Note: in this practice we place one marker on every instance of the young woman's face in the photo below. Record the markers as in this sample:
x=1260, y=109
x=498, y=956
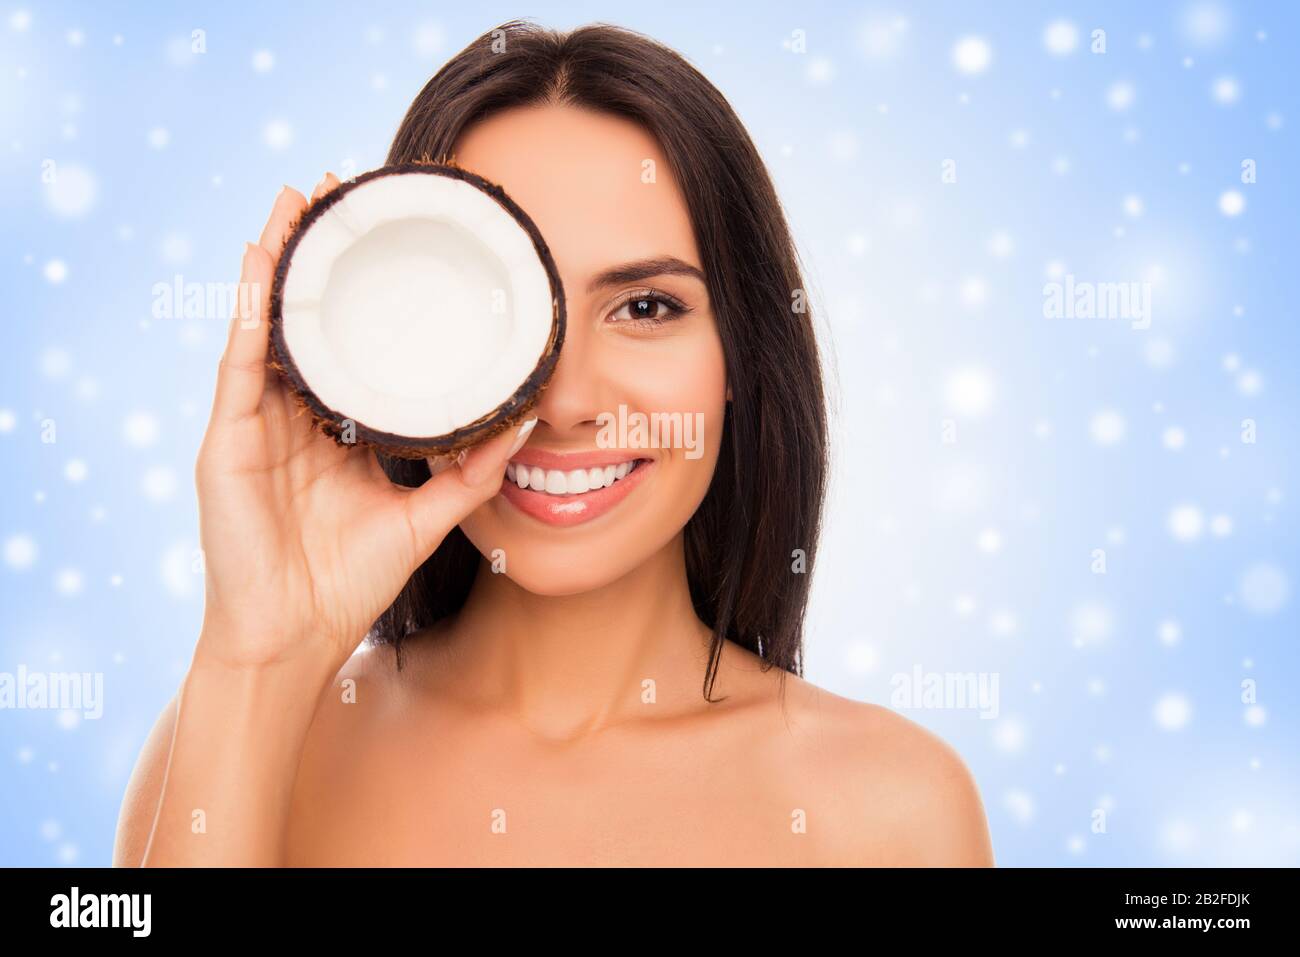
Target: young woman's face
x=629, y=428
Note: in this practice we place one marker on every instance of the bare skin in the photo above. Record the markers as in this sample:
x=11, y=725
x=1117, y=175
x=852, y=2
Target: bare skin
x=558, y=719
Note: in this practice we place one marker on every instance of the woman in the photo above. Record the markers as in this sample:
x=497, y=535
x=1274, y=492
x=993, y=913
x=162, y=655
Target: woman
x=605, y=678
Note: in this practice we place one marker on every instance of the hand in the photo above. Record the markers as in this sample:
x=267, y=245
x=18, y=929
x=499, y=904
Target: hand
x=305, y=541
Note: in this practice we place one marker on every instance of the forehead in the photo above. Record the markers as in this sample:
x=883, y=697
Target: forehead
x=581, y=175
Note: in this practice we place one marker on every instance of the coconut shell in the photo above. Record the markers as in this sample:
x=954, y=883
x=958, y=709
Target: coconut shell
x=509, y=413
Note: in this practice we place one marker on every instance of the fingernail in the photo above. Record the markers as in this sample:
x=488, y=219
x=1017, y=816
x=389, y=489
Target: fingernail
x=525, y=430
x=323, y=185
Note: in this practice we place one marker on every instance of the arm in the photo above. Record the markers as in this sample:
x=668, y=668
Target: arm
x=305, y=543
x=229, y=765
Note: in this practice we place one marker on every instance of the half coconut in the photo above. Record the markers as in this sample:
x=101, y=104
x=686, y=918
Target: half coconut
x=416, y=309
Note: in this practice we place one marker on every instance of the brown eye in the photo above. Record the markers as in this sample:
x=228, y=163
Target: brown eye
x=648, y=307
x=644, y=308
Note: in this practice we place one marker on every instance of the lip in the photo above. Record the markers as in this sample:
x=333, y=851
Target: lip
x=562, y=511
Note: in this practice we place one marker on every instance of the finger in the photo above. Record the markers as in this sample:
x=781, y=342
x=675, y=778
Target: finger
x=289, y=205
x=329, y=182
x=241, y=376
x=441, y=503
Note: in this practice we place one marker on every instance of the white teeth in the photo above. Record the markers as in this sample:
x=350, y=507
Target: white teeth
x=555, y=482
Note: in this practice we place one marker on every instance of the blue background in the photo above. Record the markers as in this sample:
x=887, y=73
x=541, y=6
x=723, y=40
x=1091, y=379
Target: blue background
x=1118, y=692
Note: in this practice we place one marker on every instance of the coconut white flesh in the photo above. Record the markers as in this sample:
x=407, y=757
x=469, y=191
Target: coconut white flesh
x=416, y=305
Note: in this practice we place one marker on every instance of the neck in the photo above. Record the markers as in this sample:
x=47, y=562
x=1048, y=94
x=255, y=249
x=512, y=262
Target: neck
x=567, y=666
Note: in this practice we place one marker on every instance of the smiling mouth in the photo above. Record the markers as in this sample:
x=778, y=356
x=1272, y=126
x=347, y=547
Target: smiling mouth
x=572, y=482
x=563, y=497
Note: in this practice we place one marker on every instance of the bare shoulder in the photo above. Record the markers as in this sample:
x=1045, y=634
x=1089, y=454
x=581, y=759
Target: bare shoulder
x=906, y=797
x=888, y=791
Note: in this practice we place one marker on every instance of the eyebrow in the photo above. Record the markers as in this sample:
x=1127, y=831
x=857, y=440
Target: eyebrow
x=644, y=269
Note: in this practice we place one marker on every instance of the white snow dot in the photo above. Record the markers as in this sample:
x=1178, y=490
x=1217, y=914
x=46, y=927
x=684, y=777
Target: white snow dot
x=1231, y=203
x=1169, y=632
x=972, y=55
x=68, y=581
x=175, y=249
x=159, y=137
x=989, y=541
x=69, y=719
x=1120, y=96
x=1133, y=206
x=140, y=429
x=55, y=271
x=860, y=657
x=1250, y=382
x=1255, y=716
x=177, y=570
x=7, y=420
x=1061, y=37
x=1206, y=23
x=1186, y=522
x=1226, y=90
x=1221, y=526
x=970, y=392
x=75, y=471
x=1159, y=352
x=1107, y=427
x=1263, y=588
x=974, y=291
x=159, y=483
x=277, y=134
x=1172, y=711
x=1002, y=624
x=1174, y=438
x=1000, y=245
x=1091, y=624
x=20, y=20
x=20, y=551
x=881, y=36
x=263, y=61
x=1009, y=735
x=55, y=363
x=427, y=39
x=1020, y=805
x=71, y=193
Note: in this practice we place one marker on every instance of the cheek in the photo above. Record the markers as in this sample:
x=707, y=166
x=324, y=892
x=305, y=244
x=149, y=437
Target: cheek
x=687, y=377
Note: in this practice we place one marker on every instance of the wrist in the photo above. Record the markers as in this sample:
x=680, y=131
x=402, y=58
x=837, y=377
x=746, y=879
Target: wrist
x=302, y=667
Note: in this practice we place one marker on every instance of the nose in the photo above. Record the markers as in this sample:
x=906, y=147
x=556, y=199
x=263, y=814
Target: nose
x=577, y=392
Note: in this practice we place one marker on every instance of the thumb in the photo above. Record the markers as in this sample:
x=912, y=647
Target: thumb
x=459, y=487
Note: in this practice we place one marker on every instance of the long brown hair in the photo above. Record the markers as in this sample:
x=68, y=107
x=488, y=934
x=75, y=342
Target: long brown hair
x=749, y=547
